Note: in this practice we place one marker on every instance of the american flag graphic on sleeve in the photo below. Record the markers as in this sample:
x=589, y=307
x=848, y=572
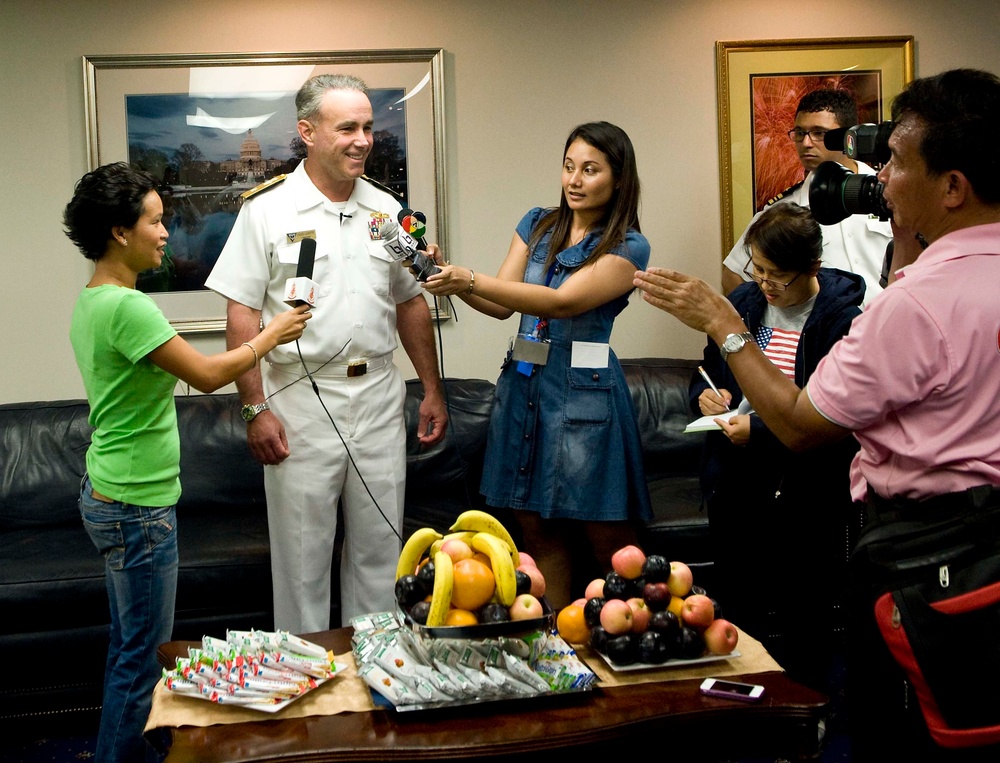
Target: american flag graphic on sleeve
x=779, y=345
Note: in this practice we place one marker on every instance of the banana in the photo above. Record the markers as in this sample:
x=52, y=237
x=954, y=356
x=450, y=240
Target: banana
x=480, y=521
x=441, y=596
x=465, y=535
x=414, y=549
x=503, y=565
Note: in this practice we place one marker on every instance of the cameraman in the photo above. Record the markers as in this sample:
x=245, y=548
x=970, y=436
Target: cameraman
x=916, y=380
x=856, y=244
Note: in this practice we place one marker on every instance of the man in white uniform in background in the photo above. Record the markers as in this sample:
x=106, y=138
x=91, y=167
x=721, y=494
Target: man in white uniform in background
x=856, y=244
x=363, y=298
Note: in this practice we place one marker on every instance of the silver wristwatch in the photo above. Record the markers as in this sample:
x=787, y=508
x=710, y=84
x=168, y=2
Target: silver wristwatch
x=734, y=343
x=249, y=412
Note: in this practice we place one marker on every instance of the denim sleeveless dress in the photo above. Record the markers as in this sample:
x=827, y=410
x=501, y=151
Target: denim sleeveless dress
x=564, y=441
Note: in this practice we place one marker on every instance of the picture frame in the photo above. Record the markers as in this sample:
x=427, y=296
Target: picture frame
x=223, y=79
x=879, y=67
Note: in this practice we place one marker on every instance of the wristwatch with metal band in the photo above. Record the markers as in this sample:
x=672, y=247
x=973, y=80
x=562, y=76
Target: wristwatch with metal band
x=249, y=412
x=734, y=343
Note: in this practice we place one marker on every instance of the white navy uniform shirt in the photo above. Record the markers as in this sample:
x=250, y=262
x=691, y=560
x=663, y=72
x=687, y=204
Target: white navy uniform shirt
x=359, y=283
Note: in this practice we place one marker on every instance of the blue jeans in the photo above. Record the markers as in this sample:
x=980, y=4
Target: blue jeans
x=139, y=545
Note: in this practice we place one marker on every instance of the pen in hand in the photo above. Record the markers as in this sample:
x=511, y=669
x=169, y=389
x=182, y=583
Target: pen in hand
x=708, y=380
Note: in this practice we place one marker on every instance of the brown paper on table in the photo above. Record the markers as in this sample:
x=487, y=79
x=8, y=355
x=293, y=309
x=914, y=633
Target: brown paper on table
x=753, y=659
x=344, y=693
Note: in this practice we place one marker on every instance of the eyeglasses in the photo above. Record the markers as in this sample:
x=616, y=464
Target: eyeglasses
x=777, y=285
x=816, y=136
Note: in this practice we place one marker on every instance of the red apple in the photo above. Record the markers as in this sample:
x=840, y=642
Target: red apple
x=595, y=589
x=526, y=607
x=721, y=637
x=616, y=617
x=698, y=611
x=579, y=602
x=457, y=549
x=681, y=579
x=537, y=579
x=525, y=559
x=657, y=596
x=628, y=561
x=640, y=614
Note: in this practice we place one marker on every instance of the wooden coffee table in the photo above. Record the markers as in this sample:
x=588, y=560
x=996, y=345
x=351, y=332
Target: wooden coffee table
x=671, y=717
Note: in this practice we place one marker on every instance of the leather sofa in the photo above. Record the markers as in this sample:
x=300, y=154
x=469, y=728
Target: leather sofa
x=52, y=595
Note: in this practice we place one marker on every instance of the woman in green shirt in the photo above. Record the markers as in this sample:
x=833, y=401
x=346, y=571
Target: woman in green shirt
x=130, y=359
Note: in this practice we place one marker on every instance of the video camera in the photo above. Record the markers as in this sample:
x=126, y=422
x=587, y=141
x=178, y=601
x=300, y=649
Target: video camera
x=837, y=193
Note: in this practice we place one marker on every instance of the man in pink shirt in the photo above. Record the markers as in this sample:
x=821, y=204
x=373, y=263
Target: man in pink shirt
x=917, y=380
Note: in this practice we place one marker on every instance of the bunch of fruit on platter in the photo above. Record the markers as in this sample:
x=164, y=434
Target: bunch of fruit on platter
x=263, y=670
x=647, y=610
x=473, y=574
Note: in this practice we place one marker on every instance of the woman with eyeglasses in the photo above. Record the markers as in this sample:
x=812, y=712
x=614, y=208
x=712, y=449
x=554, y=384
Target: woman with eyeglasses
x=778, y=519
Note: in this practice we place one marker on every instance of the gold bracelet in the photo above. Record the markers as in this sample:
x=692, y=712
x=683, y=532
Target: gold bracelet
x=472, y=280
x=256, y=357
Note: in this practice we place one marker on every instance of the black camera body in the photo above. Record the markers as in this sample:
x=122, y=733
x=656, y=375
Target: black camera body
x=836, y=193
x=866, y=143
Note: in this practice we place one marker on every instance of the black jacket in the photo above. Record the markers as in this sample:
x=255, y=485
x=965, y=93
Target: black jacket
x=837, y=304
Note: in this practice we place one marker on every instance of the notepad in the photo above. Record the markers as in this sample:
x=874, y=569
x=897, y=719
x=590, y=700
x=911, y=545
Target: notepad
x=707, y=423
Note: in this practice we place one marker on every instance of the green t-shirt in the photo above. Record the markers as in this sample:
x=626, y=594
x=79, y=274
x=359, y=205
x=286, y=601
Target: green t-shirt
x=134, y=456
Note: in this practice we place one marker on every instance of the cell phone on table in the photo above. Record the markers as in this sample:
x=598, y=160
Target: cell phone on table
x=716, y=687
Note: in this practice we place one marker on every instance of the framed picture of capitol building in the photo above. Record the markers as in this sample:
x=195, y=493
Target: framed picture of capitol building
x=211, y=127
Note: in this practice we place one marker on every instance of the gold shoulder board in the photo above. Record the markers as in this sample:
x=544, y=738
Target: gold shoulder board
x=265, y=186
x=381, y=187
x=783, y=194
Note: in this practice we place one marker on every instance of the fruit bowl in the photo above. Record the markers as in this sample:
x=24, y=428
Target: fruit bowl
x=484, y=630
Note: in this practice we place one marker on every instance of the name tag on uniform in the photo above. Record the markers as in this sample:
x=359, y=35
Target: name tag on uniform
x=530, y=351
x=299, y=235
x=590, y=355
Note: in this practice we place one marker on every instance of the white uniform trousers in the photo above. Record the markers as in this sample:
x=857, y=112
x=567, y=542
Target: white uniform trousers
x=303, y=491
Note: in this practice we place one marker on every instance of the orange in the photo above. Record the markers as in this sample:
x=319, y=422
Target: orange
x=572, y=626
x=481, y=557
x=472, y=584
x=460, y=617
x=675, y=605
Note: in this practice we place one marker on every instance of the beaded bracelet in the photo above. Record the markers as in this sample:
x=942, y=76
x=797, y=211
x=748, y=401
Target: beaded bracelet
x=256, y=357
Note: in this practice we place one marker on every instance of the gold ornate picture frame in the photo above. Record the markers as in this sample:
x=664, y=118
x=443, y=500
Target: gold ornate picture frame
x=881, y=67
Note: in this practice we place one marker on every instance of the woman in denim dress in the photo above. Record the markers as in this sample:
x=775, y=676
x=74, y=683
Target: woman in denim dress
x=130, y=358
x=563, y=447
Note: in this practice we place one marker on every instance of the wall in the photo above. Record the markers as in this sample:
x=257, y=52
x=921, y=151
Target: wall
x=519, y=76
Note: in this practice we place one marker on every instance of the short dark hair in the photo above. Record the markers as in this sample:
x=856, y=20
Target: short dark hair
x=622, y=212
x=839, y=102
x=110, y=196
x=960, y=111
x=788, y=235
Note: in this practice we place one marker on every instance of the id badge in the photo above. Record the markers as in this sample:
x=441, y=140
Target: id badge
x=532, y=351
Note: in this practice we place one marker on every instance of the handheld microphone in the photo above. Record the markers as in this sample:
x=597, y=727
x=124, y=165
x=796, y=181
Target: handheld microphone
x=414, y=223
x=301, y=290
x=402, y=246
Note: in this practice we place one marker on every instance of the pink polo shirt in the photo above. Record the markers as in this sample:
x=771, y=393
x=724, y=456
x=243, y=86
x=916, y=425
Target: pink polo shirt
x=918, y=378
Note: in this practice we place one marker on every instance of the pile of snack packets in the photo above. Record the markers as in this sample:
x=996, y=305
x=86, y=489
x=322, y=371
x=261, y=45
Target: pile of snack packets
x=409, y=669
x=258, y=669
